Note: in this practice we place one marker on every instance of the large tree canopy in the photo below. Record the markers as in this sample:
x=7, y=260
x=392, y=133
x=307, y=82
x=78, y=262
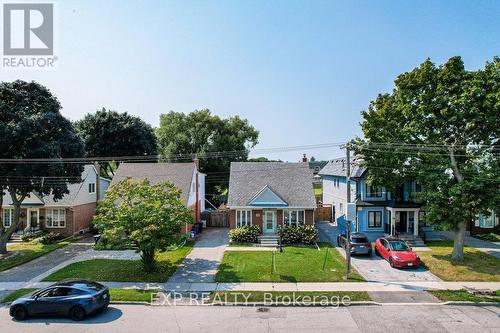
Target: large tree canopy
x=31, y=126
x=113, y=134
x=215, y=141
x=441, y=127
x=151, y=215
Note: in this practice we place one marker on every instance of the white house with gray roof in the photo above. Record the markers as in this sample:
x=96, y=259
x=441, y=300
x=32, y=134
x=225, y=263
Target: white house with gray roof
x=269, y=194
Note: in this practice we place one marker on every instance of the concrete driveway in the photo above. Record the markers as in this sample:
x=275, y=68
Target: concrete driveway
x=201, y=264
x=375, y=268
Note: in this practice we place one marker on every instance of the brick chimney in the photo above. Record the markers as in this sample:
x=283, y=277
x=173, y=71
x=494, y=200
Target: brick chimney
x=304, y=158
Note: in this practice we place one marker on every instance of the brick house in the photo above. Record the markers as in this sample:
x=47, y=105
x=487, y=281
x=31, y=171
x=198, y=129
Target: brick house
x=270, y=194
x=70, y=215
x=185, y=176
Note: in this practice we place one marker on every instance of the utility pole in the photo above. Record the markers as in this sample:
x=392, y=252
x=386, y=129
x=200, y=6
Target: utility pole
x=348, y=222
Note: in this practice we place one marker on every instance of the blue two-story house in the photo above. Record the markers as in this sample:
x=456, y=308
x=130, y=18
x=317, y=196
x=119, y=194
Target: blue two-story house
x=378, y=210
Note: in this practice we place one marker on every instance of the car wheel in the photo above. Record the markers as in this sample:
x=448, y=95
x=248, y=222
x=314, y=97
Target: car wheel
x=370, y=253
x=376, y=252
x=391, y=262
x=77, y=313
x=20, y=313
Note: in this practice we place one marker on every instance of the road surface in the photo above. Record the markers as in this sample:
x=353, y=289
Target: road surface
x=393, y=318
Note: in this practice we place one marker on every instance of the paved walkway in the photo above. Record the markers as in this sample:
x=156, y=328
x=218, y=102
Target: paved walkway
x=201, y=264
x=484, y=246
x=34, y=268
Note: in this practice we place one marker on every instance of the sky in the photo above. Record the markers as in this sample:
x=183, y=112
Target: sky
x=300, y=71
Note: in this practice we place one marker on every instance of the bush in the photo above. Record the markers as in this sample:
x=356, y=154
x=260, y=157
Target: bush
x=304, y=234
x=49, y=238
x=246, y=234
x=113, y=239
x=28, y=236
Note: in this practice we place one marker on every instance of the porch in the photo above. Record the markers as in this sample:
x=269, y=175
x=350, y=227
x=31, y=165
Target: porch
x=403, y=221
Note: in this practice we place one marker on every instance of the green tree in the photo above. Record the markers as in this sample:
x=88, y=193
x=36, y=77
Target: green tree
x=150, y=215
x=112, y=134
x=215, y=141
x=31, y=126
x=439, y=126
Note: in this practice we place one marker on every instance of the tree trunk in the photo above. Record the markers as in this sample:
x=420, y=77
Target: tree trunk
x=6, y=233
x=458, y=242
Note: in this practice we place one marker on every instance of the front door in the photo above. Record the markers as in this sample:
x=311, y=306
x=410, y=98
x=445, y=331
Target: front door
x=401, y=222
x=33, y=218
x=269, y=221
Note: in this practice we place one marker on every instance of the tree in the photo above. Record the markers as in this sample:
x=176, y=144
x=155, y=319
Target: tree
x=440, y=126
x=262, y=159
x=31, y=126
x=112, y=134
x=215, y=141
x=150, y=215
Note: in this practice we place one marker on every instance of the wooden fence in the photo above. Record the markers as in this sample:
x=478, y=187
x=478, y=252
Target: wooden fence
x=218, y=218
x=323, y=213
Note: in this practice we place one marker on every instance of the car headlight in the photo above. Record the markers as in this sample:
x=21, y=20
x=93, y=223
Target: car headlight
x=397, y=258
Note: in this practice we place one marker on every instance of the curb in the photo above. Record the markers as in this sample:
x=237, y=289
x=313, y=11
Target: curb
x=471, y=303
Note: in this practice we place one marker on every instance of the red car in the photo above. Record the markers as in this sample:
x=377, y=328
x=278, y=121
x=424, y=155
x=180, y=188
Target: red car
x=397, y=252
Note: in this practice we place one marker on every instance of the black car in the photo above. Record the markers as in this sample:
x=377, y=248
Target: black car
x=73, y=298
x=359, y=243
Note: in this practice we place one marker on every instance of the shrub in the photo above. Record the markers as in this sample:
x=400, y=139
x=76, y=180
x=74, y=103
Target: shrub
x=246, y=234
x=304, y=234
x=28, y=236
x=49, y=238
x=113, y=239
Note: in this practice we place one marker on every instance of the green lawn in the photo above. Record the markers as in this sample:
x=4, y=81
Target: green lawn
x=295, y=264
x=277, y=296
x=491, y=237
x=123, y=270
x=27, y=252
x=462, y=295
x=476, y=266
x=16, y=294
x=130, y=295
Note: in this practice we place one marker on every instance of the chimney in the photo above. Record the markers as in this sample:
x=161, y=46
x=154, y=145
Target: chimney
x=304, y=158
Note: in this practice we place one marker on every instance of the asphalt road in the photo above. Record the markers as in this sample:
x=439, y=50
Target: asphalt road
x=393, y=318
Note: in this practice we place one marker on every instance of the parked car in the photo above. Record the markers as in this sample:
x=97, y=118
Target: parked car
x=73, y=298
x=396, y=252
x=359, y=243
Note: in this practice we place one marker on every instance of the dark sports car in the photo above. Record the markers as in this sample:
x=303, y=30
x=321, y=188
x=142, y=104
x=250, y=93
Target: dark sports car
x=73, y=298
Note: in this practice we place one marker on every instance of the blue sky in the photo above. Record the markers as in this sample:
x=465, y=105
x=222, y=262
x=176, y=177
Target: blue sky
x=300, y=71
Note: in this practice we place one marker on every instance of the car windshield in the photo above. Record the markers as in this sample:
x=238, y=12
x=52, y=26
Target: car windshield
x=359, y=240
x=399, y=246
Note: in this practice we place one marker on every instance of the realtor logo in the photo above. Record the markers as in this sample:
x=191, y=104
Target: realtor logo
x=28, y=29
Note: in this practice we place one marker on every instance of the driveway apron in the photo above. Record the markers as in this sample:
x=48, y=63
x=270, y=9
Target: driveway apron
x=200, y=266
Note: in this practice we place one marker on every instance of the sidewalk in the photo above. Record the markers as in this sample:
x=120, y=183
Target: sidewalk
x=387, y=286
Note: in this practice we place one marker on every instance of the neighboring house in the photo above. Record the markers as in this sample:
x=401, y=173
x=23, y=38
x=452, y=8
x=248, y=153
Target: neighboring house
x=270, y=194
x=486, y=224
x=378, y=210
x=70, y=215
x=185, y=176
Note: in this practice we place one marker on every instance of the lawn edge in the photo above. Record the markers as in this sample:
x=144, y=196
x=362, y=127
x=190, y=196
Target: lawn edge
x=38, y=256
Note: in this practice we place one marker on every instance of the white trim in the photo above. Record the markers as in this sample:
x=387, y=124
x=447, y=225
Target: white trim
x=289, y=211
x=11, y=214
x=264, y=221
x=58, y=226
x=264, y=207
x=28, y=216
x=239, y=214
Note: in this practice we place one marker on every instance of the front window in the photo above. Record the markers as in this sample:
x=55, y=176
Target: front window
x=92, y=188
x=56, y=218
x=399, y=246
x=7, y=217
x=243, y=218
x=486, y=221
x=374, y=219
x=373, y=191
x=293, y=217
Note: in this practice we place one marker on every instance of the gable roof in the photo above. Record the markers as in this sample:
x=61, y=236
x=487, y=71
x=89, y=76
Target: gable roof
x=179, y=174
x=267, y=196
x=337, y=167
x=48, y=200
x=289, y=182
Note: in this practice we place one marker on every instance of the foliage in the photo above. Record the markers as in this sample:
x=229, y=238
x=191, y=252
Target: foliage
x=303, y=234
x=441, y=127
x=113, y=239
x=49, y=238
x=109, y=133
x=491, y=237
x=31, y=126
x=463, y=295
x=28, y=236
x=150, y=215
x=245, y=234
x=205, y=135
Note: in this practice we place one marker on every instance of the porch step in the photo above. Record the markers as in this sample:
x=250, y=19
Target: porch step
x=269, y=240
